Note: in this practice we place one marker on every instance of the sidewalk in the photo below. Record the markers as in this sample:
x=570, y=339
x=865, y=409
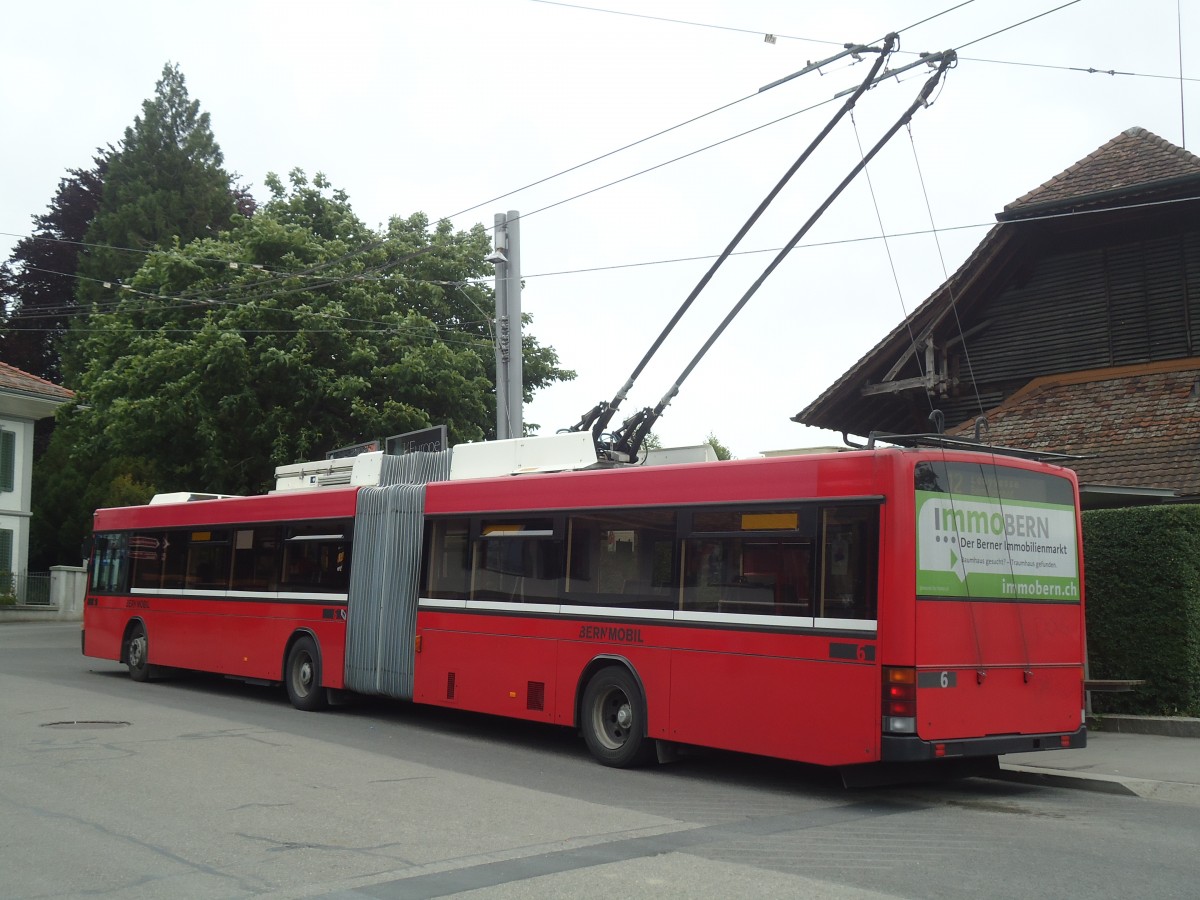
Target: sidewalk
x=1159, y=766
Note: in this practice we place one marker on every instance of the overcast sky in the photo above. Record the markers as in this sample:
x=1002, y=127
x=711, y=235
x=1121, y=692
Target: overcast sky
x=451, y=105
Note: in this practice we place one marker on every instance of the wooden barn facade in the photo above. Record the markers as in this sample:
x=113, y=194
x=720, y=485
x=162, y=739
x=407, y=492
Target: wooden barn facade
x=1073, y=327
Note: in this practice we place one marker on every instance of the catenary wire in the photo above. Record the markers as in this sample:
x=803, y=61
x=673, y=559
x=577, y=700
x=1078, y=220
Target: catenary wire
x=393, y=263
x=617, y=12
x=377, y=244
x=1040, y=15
x=128, y=293
x=703, y=257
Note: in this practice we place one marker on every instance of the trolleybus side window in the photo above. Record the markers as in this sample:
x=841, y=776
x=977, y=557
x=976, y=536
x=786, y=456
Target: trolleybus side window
x=109, y=562
x=849, y=562
x=159, y=559
x=803, y=561
x=448, y=559
x=255, y=559
x=316, y=557
x=749, y=561
x=208, y=560
x=517, y=560
x=622, y=558
x=507, y=559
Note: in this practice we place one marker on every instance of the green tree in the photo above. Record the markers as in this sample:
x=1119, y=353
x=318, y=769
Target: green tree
x=67, y=493
x=165, y=186
x=166, y=182
x=291, y=333
x=37, y=284
x=162, y=187
x=722, y=451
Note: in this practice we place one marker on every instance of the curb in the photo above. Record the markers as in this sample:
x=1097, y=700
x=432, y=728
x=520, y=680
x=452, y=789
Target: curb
x=1102, y=784
x=1167, y=726
x=24, y=613
x=1147, y=789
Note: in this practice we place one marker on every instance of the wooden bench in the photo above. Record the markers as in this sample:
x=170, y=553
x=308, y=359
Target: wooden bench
x=1112, y=685
x=1108, y=685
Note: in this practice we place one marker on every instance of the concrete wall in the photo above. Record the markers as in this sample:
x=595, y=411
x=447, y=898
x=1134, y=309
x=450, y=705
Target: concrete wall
x=68, y=585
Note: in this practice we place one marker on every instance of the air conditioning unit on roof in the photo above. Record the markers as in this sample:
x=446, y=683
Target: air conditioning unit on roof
x=361, y=470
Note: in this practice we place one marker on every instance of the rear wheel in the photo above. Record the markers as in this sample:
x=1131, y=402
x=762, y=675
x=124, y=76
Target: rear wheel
x=303, y=676
x=614, y=719
x=137, y=654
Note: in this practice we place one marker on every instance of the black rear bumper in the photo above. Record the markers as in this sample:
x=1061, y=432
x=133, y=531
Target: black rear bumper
x=910, y=748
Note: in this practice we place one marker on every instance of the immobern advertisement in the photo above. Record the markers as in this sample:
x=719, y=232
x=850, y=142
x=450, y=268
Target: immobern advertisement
x=993, y=548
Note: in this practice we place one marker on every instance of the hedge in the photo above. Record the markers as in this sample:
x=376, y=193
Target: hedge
x=1142, y=570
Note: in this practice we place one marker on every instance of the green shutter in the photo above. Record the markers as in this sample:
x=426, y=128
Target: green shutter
x=8, y=462
x=6, y=541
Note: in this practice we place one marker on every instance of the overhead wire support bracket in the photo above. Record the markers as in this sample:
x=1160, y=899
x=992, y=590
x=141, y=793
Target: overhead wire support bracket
x=952, y=442
x=927, y=59
x=627, y=441
x=855, y=50
x=599, y=416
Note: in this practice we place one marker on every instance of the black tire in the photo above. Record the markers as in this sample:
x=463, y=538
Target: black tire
x=302, y=676
x=137, y=653
x=613, y=718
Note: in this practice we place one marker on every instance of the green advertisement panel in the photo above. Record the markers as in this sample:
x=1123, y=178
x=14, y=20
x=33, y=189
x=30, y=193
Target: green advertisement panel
x=989, y=548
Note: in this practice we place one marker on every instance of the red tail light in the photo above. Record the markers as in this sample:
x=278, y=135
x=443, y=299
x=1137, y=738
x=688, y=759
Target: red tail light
x=899, y=700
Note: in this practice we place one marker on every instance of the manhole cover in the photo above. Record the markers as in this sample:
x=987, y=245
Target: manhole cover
x=85, y=723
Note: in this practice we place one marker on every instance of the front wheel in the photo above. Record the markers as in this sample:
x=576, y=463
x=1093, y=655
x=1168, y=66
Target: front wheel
x=614, y=719
x=137, y=654
x=303, y=676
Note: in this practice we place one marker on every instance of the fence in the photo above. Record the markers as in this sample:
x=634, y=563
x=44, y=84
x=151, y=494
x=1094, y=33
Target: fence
x=28, y=589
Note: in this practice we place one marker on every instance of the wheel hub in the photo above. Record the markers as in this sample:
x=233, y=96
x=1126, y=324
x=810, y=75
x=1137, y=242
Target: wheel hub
x=137, y=651
x=624, y=716
x=306, y=675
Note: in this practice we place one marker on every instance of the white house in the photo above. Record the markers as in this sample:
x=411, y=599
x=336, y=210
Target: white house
x=24, y=399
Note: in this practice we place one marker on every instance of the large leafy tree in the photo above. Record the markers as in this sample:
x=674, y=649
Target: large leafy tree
x=289, y=334
x=37, y=284
x=163, y=186
x=166, y=186
x=163, y=183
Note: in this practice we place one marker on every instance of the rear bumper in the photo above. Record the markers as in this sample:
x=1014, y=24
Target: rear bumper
x=910, y=748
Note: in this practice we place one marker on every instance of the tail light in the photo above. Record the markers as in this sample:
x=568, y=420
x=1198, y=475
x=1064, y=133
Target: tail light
x=899, y=700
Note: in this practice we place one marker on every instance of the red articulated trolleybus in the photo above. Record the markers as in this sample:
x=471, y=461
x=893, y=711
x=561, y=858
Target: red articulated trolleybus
x=874, y=605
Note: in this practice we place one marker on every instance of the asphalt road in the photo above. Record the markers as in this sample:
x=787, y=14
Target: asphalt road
x=198, y=787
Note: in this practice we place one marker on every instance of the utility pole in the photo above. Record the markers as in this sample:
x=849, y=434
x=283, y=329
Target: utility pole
x=512, y=294
x=509, y=371
x=499, y=258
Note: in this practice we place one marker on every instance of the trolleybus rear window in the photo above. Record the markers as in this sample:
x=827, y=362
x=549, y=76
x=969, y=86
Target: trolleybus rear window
x=987, y=531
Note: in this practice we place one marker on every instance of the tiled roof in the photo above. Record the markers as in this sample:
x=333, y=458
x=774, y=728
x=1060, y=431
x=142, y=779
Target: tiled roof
x=14, y=380
x=1139, y=426
x=1134, y=159
x=1134, y=164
